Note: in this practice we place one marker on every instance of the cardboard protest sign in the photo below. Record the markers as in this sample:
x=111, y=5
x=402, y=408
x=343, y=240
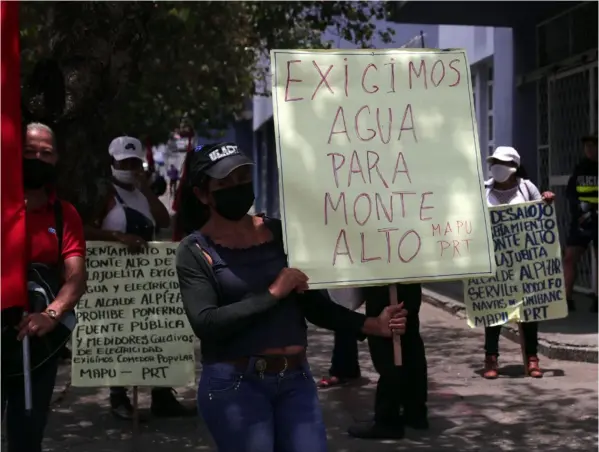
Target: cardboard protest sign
x=529, y=283
x=132, y=329
x=380, y=174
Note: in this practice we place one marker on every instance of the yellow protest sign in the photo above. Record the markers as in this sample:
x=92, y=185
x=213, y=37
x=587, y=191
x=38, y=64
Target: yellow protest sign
x=132, y=329
x=529, y=283
x=380, y=174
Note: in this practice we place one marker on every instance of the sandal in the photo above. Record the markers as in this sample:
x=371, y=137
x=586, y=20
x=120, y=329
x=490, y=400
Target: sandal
x=329, y=382
x=533, y=367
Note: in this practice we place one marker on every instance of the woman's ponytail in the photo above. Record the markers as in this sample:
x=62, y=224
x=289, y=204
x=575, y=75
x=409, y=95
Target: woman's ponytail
x=190, y=213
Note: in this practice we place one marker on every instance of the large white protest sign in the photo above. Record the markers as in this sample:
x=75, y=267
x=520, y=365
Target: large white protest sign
x=529, y=283
x=380, y=174
x=132, y=329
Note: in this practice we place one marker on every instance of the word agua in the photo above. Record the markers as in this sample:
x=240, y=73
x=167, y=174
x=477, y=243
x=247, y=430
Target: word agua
x=134, y=287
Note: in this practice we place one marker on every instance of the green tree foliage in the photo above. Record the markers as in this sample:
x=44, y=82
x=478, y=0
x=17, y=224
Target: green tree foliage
x=136, y=67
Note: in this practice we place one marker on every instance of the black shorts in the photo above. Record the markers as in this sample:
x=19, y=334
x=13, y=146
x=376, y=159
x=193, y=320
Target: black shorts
x=578, y=237
x=173, y=181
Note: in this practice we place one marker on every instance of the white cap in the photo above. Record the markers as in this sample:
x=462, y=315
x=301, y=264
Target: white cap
x=505, y=154
x=122, y=148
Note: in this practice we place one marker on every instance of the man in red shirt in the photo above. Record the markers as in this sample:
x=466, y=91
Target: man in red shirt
x=24, y=430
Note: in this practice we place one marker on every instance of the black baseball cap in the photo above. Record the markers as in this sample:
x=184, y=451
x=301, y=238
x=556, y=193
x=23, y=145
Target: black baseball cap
x=217, y=160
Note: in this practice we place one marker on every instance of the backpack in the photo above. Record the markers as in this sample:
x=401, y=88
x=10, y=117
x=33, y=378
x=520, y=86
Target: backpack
x=43, y=284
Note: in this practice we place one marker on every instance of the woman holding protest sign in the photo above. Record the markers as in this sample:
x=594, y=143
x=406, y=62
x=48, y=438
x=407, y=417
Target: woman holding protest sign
x=256, y=392
x=508, y=185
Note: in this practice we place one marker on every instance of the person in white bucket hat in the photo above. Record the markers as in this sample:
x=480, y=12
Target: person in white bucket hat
x=509, y=185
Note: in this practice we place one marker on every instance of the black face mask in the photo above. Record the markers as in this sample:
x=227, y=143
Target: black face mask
x=37, y=173
x=233, y=203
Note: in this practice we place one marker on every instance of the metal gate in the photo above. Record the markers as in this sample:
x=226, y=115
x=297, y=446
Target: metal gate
x=571, y=114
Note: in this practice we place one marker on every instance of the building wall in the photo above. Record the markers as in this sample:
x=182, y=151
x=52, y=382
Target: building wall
x=490, y=54
x=478, y=41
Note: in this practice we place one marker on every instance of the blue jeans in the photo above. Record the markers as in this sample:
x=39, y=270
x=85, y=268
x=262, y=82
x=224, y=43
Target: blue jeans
x=247, y=413
x=25, y=432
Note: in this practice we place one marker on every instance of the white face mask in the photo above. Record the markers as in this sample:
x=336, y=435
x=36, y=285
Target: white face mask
x=501, y=173
x=123, y=176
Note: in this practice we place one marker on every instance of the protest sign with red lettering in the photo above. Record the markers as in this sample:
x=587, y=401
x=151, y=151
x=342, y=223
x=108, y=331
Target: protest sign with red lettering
x=380, y=172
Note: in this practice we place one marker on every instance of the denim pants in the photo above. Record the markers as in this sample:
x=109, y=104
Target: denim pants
x=246, y=412
x=25, y=432
x=344, y=362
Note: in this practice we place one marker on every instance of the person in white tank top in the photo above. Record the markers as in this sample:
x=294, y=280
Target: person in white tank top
x=509, y=186
x=131, y=215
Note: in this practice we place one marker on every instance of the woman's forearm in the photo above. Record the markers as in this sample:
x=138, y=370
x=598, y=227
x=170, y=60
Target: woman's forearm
x=325, y=313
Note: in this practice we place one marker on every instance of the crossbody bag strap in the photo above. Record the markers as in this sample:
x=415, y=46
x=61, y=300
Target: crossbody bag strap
x=59, y=223
x=198, y=247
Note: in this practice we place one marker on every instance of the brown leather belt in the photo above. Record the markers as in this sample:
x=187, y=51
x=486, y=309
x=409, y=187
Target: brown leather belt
x=268, y=364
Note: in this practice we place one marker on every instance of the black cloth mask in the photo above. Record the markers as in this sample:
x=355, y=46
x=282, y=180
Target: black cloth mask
x=37, y=174
x=232, y=203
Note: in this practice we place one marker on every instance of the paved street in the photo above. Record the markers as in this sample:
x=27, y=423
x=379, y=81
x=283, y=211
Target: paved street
x=555, y=414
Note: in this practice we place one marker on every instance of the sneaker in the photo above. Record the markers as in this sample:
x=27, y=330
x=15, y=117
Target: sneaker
x=121, y=407
x=491, y=371
x=165, y=404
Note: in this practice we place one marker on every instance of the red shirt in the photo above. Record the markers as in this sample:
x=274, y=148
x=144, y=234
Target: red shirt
x=42, y=241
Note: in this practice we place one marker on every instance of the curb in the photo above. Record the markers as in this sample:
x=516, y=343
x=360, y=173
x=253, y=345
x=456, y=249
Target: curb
x=552, y=350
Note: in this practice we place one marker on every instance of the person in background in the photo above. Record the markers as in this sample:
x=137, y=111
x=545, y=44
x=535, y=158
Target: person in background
x=173, y=177
x=401, y=392
x=130, y=215
x=256, y=392
x=25, y=431
x=582, y=196
x=508, y=187
x=345, y=366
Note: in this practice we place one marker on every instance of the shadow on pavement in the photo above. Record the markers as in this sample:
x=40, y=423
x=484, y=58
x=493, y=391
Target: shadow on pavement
x=467, y=412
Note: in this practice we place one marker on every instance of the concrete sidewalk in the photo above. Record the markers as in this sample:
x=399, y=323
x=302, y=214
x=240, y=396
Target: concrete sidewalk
x=468, y=414
x=573, y=338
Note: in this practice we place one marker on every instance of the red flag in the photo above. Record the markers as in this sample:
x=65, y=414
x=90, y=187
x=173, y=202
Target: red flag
x=13, y=232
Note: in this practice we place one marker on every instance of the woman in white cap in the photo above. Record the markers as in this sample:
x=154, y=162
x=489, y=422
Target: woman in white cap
x=131, y=215
x=509, y=185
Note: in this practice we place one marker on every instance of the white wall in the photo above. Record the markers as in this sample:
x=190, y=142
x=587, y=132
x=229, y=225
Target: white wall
x=478, y=41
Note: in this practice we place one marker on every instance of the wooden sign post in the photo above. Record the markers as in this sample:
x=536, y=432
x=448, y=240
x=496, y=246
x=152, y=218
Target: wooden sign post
x=523, y=348
x=398, y=359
